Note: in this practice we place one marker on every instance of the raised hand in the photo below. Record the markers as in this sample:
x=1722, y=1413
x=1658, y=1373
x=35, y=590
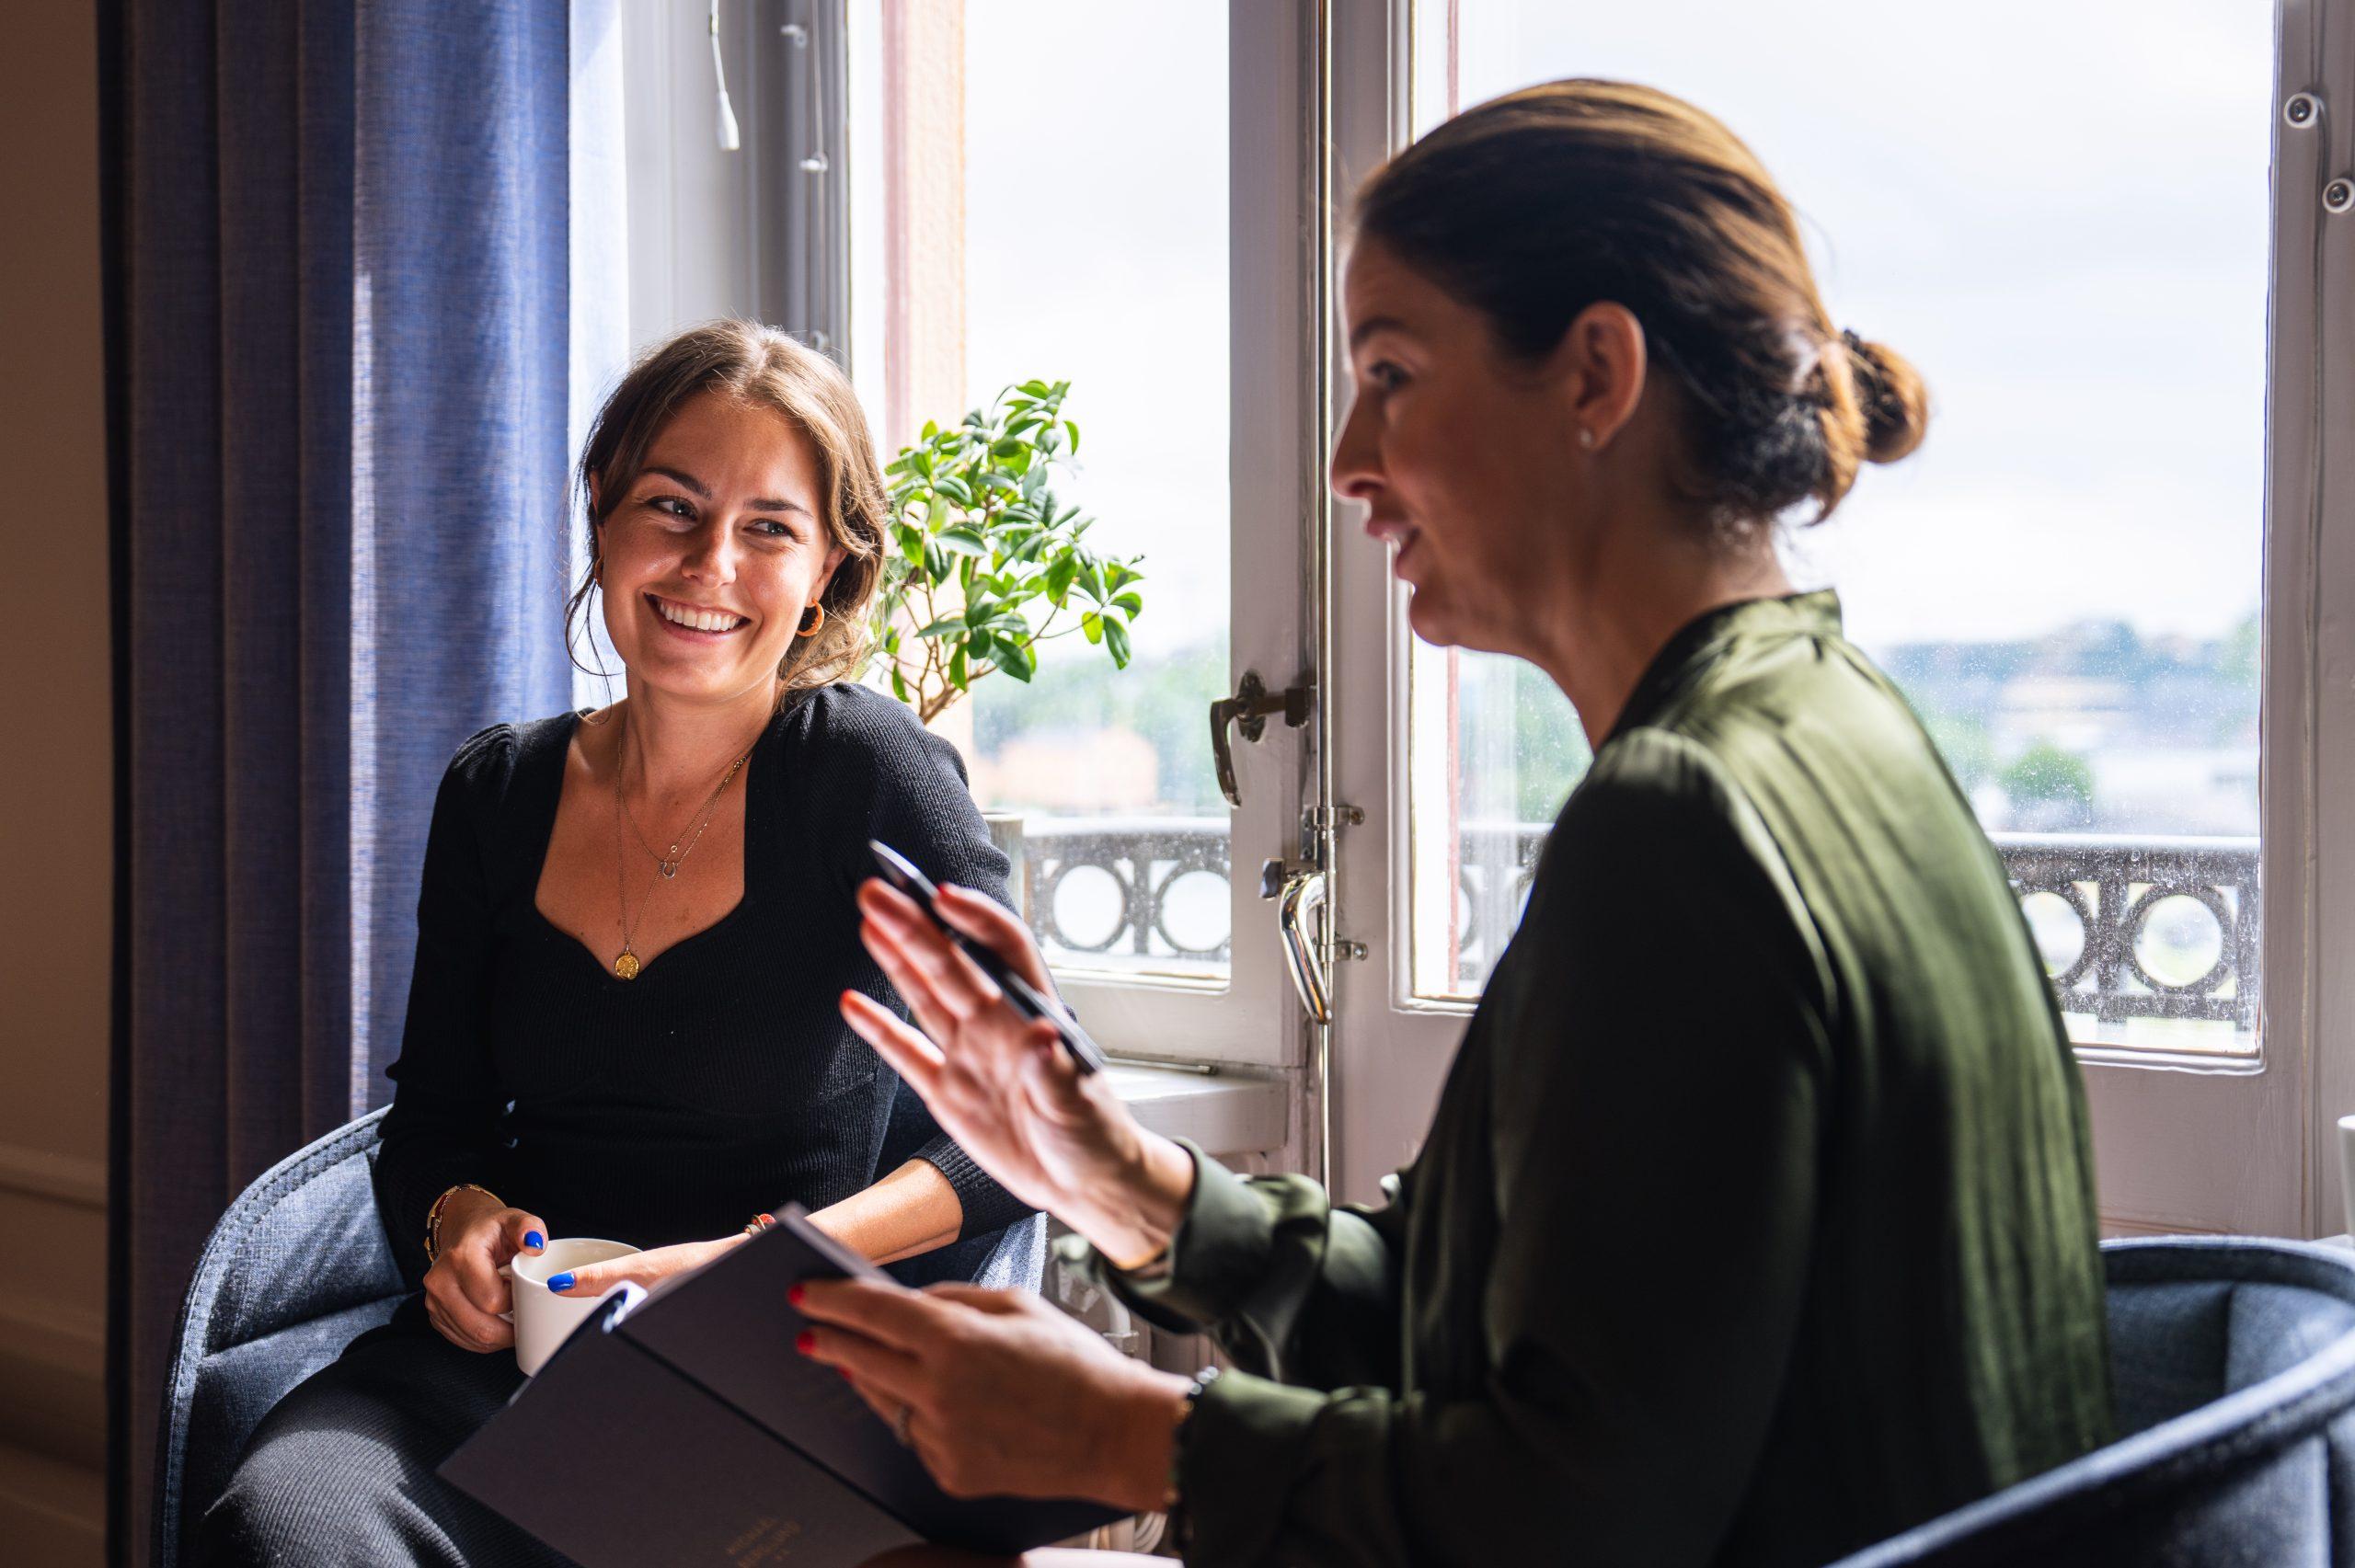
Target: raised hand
x=464, y=1292
x=1001, y=1085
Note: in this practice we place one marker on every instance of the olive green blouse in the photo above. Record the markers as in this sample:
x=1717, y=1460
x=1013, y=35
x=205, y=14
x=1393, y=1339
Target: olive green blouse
x=1756, y=1221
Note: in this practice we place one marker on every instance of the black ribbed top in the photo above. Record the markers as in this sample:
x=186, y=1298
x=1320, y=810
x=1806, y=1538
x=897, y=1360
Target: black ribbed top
x=722, y=1081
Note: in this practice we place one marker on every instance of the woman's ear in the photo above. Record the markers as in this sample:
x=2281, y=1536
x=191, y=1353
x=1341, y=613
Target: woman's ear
x=1601, y=366
x=834, y=558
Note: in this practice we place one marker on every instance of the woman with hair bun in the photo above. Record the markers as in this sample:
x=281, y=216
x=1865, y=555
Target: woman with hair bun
x=1756, y=1219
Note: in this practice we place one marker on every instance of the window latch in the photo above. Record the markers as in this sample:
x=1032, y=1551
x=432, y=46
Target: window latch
x=1298, y=890
x=1248, y=710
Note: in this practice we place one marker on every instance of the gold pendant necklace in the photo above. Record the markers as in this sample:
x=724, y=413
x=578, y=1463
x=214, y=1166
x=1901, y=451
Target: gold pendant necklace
x=626, y=964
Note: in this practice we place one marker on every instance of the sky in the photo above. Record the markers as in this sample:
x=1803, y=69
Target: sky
x=2058, y=211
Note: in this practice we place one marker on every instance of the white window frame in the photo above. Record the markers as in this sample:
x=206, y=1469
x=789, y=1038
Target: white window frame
x=716, y=234
x=2181, y=1142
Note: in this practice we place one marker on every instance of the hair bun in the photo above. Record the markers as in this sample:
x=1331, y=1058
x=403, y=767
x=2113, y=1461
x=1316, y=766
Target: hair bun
x=1890, y=395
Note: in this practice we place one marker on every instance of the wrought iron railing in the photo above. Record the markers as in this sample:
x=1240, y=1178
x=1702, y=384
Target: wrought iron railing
x=1101, y=889
x=2118, y=888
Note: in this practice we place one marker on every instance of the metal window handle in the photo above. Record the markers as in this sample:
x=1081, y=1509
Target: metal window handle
x=1248, y=710
x=1298, y=890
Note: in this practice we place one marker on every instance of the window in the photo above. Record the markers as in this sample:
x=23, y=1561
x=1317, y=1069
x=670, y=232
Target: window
x=2097, y=229
x=2064, y=580
x=1036, y=207
x=1101, y=196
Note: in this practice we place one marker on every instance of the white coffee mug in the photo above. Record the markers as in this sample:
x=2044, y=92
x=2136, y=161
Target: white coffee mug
x=544, y=1320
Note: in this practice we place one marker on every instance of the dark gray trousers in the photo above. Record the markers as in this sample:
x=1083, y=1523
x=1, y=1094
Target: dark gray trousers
x=340, y=1473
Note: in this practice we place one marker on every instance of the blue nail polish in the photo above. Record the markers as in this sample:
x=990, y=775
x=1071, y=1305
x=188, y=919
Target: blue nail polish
x=533, y=1238
x=560, y=1282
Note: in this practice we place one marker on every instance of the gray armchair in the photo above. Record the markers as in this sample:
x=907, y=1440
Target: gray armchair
x=2234, y=1366
x=299, y=1267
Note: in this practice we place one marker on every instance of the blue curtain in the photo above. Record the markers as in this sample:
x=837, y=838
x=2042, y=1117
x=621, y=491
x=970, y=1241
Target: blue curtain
x=338, y=353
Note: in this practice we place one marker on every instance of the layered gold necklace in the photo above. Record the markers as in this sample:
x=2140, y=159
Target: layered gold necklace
x=666, y=865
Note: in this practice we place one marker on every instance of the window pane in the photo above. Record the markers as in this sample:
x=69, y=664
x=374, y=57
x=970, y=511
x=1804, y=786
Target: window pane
x=2064, y=580
x=1091, y=248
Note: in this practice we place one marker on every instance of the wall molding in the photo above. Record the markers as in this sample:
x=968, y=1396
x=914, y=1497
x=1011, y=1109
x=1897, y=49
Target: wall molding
x=74, y=1179
x=52, y=1366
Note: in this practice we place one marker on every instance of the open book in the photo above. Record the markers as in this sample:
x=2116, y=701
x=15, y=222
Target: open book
x=681, y=1426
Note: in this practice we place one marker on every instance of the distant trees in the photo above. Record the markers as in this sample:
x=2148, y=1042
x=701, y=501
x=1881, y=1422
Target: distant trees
x=2046, y=776
x=1962, y=740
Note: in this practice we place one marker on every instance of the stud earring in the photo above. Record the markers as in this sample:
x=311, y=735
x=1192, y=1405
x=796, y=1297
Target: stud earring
x=1586, y=437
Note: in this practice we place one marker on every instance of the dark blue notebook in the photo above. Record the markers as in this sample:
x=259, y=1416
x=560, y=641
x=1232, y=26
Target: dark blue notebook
x=682, y=1427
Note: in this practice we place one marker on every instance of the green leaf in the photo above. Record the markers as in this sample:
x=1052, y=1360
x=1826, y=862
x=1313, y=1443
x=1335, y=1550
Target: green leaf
x=946, y=625
x=1116, y=637
x=1130, y=602
x=900, y=686
x=957, y=668
x=935, y=561
x=1073, y=426
x=963, y=541
x=1092, y=625
x=931, y=430
x=1017, y=659
x=1036, y=389
x=1058, y=577
x=1091, y=578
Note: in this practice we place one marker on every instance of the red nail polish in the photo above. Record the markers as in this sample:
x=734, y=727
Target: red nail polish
x=805, y=1342
x=794, y=1295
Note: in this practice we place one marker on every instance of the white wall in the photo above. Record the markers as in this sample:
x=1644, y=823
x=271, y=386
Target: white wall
x=55, y=793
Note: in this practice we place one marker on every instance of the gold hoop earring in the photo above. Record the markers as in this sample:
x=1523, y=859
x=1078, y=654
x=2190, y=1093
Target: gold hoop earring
x=809, y=627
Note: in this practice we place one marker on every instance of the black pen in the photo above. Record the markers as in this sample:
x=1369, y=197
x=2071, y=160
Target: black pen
x=1028, y=1000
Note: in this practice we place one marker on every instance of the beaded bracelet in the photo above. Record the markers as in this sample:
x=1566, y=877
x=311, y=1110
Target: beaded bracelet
x=760, y=1222
x=433, y=1216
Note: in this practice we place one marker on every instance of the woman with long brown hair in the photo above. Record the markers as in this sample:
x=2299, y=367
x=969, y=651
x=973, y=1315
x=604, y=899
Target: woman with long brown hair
x=1756, y=1219
x=633, y=931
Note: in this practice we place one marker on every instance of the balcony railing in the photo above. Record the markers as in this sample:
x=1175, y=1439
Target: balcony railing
x=2128, y=927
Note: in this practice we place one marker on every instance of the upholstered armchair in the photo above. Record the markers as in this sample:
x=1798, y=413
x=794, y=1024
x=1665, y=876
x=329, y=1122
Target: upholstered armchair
x=2234, y=1362
x=299, y=1267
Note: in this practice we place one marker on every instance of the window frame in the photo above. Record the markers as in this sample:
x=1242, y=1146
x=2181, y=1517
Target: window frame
x=1253, y=1022
x=2182, y=1142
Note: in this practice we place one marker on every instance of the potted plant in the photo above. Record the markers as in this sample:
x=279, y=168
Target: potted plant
x=985, y=563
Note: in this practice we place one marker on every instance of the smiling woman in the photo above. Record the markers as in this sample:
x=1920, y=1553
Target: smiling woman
x=777, y=442
x=635, y=927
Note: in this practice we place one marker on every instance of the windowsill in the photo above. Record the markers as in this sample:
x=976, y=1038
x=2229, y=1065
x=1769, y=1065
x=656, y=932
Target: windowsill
x=1225, y=1114
x=2196, y=1044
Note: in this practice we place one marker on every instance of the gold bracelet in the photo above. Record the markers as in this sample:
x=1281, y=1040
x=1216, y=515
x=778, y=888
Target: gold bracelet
x=433, y=1216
